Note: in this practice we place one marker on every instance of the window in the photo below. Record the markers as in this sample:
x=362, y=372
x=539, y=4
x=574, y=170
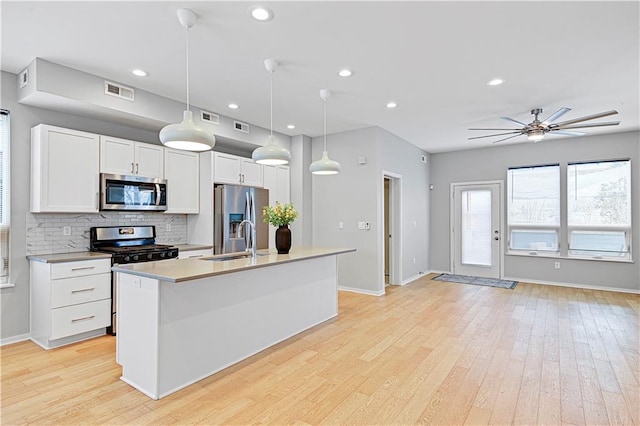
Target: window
x=4, y=197
x=599, y=209
x=533, y=205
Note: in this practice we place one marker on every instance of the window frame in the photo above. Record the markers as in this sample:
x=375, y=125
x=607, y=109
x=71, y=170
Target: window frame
x=627, y=229
x=5, y=220
x=534, y=227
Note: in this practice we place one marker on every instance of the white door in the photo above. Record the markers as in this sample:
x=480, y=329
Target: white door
x=476, y=235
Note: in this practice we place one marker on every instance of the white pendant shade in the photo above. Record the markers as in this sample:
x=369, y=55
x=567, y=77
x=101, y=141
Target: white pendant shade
x=325, y=166
x=187, y=135
x=271, y=153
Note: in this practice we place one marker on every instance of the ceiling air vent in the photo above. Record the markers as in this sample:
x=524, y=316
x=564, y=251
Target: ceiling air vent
x=118, y=91
x=241, y=127
x=209, y=117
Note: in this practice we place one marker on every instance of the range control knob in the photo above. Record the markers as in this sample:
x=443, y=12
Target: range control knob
x=162, y=254
x=135, y=257
x=150, y=256
x=126, y=258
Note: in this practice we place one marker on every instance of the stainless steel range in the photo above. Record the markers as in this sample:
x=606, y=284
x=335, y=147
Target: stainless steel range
x=127, y=244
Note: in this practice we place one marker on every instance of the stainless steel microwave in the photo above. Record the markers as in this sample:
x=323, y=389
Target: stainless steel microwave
x=120, y=192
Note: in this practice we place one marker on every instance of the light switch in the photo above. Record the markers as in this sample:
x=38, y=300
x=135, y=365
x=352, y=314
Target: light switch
x=66, y=230
x=340, y=225
x=361, y=225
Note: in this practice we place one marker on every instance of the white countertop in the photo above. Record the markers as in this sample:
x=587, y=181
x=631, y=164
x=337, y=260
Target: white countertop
x=68, y=257
x=179, y=270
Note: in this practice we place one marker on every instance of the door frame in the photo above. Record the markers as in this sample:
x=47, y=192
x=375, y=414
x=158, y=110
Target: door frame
x=501, y=220
x=395, y=227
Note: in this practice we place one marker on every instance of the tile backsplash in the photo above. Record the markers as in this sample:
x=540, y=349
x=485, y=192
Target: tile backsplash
x=45, y=231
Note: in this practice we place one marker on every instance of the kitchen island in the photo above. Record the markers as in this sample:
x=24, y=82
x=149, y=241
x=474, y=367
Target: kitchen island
x=183, y=320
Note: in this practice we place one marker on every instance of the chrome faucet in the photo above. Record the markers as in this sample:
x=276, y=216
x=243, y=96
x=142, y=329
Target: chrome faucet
x=253, y=237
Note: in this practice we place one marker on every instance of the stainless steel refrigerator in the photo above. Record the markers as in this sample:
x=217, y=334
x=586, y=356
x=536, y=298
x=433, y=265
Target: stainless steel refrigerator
x=231, y=205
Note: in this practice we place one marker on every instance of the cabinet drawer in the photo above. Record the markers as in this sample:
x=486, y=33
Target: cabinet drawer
x=71, y=291
x=77, y=319
x=80, y=268
x=194, y=254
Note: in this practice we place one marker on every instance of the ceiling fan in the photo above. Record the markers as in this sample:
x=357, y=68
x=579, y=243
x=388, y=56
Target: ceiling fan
x=536, y=130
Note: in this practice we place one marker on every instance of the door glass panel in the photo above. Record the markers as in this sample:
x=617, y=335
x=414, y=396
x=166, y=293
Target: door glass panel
x=476, y=227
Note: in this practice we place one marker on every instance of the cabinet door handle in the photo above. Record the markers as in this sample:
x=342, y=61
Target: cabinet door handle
x=82, y=268
x=137, y=164
x=240, y=177
x=131, y=168
x=195, y=255
x=83, y=289
x=83, y=318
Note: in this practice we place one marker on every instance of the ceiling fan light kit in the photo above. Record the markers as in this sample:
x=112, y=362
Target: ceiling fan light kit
x=186, y=135
x=536, y=130
x=325, y=165
x=271, y=153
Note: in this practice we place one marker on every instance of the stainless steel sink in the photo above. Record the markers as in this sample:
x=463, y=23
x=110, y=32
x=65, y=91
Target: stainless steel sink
x=233, y=256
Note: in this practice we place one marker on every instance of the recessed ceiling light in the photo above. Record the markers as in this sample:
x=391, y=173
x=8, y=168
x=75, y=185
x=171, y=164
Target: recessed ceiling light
x=345, y=73
x=291, y=126
x=139, y=72
x=495, y=82
x=261, y=13
x=233, y=106
x=391, y=105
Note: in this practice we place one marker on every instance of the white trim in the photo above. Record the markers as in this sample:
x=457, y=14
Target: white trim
x=413, y=278
x=14, y=339
x=361, y=291
x=501, y=220
x=571, y=285
x=7, y=285
x=395, y=225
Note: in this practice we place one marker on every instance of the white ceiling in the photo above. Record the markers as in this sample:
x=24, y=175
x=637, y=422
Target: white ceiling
x=432, y=58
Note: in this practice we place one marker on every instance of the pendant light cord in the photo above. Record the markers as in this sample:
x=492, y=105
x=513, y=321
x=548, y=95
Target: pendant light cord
x=271, y=100
x=187, y=33
x=325, y=123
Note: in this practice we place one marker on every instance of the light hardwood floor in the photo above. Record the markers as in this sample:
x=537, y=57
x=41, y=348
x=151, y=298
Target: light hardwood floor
x=429, y=352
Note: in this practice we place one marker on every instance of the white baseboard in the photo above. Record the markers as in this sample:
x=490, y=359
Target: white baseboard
x=14, y=339
x=582, y=286
x=415, y=277
x=361, y=291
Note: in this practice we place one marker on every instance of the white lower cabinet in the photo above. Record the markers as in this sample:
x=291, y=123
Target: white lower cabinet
x=70, y=301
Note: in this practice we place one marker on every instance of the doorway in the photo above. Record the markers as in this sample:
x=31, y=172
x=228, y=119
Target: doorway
x=476, y=231
x=390, y=230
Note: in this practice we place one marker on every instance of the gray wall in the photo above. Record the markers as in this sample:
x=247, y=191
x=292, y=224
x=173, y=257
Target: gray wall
x=492, y=164
x=14, y=301
x=356, y=195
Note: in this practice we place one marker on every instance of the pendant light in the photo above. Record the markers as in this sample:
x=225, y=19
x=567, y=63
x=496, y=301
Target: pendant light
x=271, y=153
x=325, y=166
x=187, y=135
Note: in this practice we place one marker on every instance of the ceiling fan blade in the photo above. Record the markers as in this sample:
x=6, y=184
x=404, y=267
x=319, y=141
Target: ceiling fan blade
x=515, y=121
x=500, y=140
x=553, y=117
x=566, y=132
x=490, y=136
x=494, y=129
x=585, y=118
x=582, y=126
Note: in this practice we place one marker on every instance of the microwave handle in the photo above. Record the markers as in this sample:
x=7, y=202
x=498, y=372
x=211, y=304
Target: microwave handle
x=158, y=194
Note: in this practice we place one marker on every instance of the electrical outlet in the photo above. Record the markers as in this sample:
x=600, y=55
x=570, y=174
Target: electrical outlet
x=414, y=260
x=340, y=225
x=556, y=265
x=168, y=227
x=66, y=230
x=367, y=225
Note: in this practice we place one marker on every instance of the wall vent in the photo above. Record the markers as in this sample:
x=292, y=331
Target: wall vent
x=209, y=117
x=113, y=89
x=24, y=77
x=241, y=127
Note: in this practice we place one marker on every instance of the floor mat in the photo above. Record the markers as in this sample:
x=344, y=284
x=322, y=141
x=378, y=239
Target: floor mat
x=464, y=279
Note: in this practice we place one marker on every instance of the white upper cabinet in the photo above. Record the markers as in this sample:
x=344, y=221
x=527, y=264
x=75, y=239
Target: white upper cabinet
x=125, y=157
x=182, y=171
x=65, y=170
x=237, y=170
